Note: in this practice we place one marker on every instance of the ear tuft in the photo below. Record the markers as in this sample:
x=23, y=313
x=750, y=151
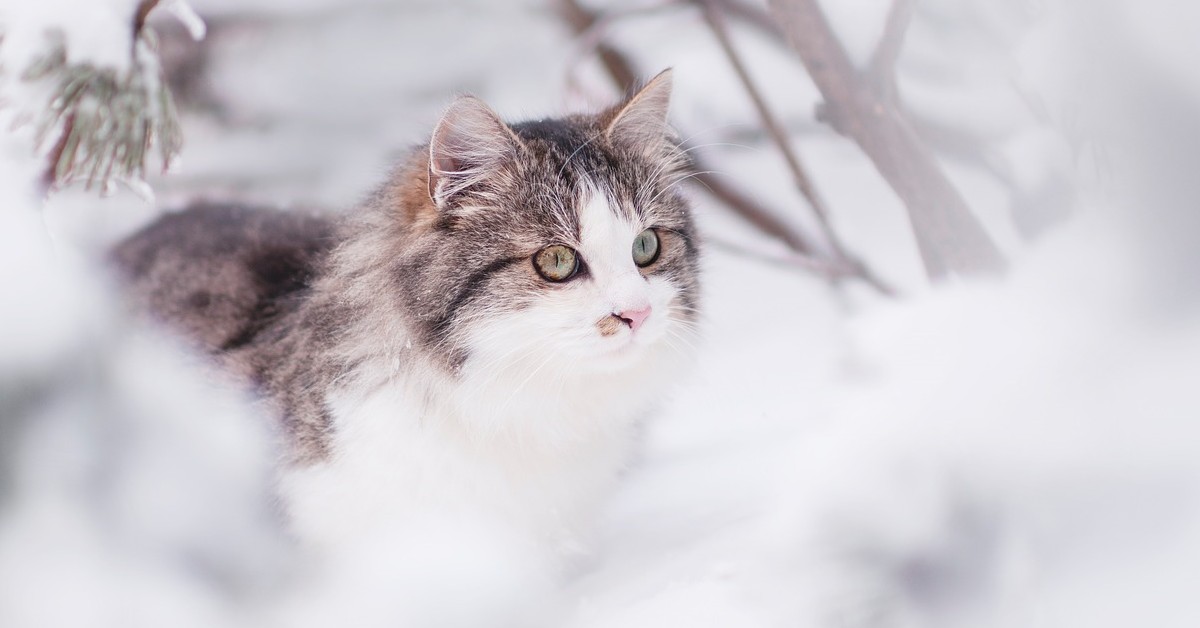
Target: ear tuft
x=641, y=121
x=468, y=143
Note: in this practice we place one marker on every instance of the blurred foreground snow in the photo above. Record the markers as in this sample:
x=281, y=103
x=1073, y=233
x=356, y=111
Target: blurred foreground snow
x=1023, y=451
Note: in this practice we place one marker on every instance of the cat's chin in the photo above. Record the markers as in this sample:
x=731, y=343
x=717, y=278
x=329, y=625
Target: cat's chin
x=624, y=354
x=624, y=358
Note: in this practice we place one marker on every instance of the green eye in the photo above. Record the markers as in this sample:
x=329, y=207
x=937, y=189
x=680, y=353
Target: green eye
x=556, y=262
x=645, y=248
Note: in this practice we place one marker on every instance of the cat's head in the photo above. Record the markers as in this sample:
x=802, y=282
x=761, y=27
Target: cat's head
x=559, y=242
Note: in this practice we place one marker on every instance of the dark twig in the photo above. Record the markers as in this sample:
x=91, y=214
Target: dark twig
x=949, y=238
x=793, y=261
x=55, y=156
x=751, y=211
x=139, y=18
x=589, y=39
x=581, y=21
x=770, y=122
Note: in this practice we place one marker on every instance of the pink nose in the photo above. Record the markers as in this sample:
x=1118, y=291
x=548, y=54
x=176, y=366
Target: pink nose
x=634, y=318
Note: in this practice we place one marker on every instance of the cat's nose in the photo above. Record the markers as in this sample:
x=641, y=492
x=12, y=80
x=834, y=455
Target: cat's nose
x=634, y=318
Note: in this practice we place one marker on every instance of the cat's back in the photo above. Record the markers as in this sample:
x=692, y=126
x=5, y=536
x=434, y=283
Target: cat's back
x=220, y=273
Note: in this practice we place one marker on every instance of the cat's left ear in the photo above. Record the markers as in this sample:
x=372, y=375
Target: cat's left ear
x=641, y=121
x=469, y=144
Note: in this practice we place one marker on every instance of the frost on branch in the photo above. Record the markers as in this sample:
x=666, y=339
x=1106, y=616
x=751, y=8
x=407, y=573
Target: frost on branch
x=100, y=124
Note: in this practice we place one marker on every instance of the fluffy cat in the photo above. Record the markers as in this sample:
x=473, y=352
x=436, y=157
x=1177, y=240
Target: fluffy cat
x=479, y=336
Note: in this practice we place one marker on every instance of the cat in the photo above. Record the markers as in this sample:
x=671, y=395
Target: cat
x=481, y=335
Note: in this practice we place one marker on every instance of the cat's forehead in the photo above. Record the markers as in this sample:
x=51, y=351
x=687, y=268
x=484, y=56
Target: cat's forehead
x=573, y=153
x=568, y=165
x=561, y=136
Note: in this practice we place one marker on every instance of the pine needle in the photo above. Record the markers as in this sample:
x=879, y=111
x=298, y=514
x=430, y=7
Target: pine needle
x=104, y=124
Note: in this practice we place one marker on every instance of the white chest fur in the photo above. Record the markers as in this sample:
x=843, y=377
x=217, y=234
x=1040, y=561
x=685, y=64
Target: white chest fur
x=537, y=461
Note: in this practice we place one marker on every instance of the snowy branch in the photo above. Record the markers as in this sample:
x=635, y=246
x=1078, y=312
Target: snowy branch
x=950, y=239
x=98, y=120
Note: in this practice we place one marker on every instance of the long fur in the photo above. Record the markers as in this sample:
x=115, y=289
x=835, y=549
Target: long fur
x=414, y=355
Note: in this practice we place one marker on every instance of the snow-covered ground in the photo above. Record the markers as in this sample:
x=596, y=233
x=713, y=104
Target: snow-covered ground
x=1019, y=451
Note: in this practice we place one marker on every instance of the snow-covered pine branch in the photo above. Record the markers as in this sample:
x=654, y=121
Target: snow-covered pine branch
x=87, y=78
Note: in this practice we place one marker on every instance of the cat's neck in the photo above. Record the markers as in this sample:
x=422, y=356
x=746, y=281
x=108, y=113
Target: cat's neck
x=514, y=408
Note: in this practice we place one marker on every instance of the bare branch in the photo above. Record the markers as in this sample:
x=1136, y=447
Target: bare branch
x=755, y=16
x=592, y=37
x=950, y=238
x=769, y=121
x=591, y=40
x=833, y=270
x=882, y=69
x=716, y=22
x=713, y=15
x=751, y=211
x=581, y=21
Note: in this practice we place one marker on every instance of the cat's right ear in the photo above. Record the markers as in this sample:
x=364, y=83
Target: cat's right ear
x=468, y=144
x=641, y=120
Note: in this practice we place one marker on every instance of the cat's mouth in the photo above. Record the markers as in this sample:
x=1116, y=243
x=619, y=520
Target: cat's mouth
x=630, y=343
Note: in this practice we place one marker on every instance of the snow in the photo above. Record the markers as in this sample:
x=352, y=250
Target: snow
x=1016, y=451
x=136, y=489
x=98, y=31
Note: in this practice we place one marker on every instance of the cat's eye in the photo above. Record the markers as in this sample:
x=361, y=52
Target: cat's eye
x=556, y=262
x=645, y=248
